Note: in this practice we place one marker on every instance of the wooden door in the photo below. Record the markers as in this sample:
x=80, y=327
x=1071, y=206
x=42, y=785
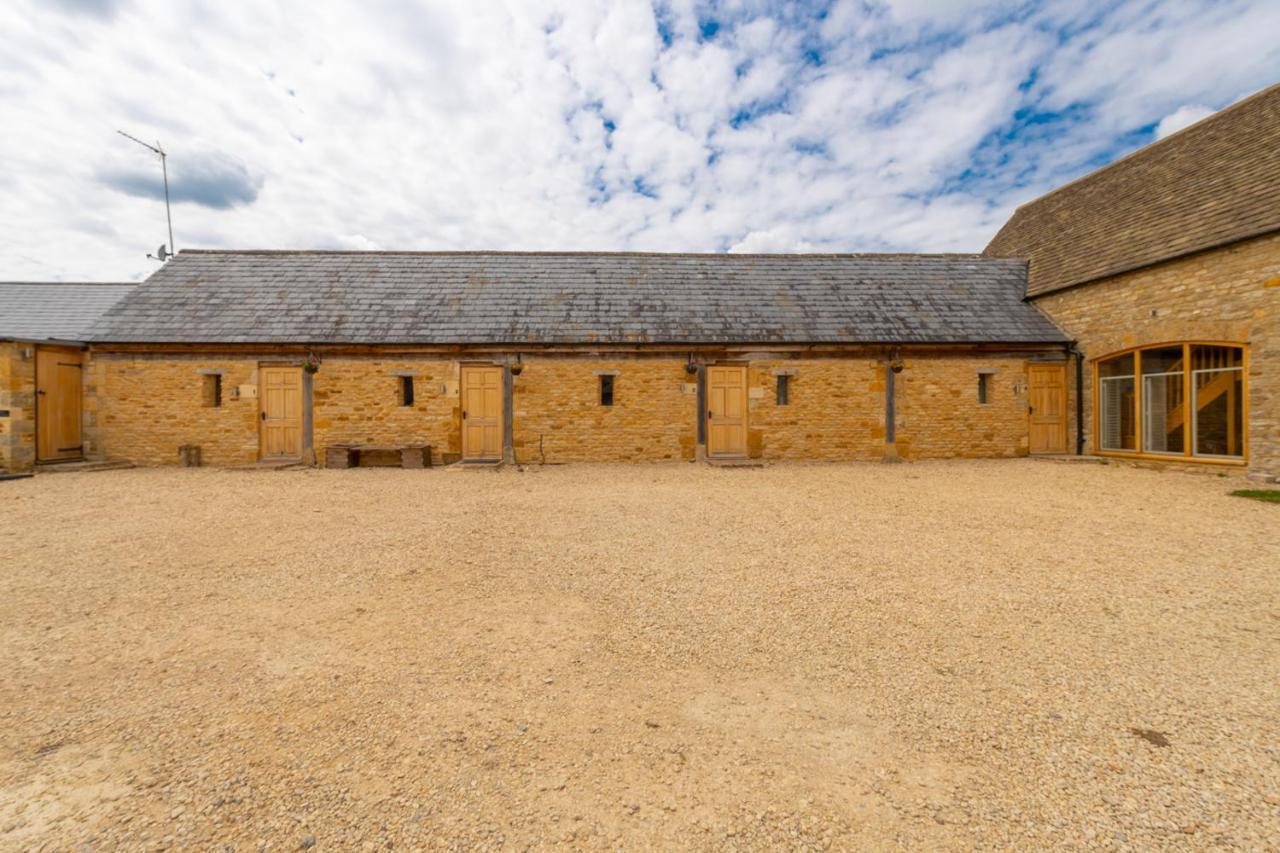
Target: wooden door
x=1047, y=407
x=58, y=404
x=727, y=410
x=280, y=402
x=482, y=412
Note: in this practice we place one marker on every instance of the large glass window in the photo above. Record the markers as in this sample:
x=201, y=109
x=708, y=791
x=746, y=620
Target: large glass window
x=1117, y=426
x=1173, y=400
x=1217, y=392
x=1163, y=430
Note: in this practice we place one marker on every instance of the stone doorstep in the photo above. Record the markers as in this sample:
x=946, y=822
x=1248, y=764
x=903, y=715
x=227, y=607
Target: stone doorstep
x=270, y=465
x=736, y=463
x=1066, y=457
x=87, y=465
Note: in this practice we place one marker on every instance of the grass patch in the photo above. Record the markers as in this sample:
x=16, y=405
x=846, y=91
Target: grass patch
x=1271, y=496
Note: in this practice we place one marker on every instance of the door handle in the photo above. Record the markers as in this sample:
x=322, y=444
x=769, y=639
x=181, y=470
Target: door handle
x=1031, y=410
x=264, y=415
x=464, y=415
x=710, y=415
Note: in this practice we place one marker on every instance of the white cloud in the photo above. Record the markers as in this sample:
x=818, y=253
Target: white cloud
x=772, y=240
x=591, y=124
x=1183, y=116
x=354, y=242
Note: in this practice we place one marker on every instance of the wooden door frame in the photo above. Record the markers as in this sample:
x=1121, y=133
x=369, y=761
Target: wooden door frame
x=504, y=373
x=746, y=407
x=36, y=349
x=1066, y=399
x=304, y=408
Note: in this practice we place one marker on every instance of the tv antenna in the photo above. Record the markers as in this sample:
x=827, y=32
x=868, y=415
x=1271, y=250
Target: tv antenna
x=161, y=254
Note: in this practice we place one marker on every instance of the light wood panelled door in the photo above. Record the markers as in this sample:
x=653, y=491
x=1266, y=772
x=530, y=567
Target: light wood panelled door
x=58, y=404
x=1047, y=400
x=727, y=410
x=281, y=412
x=482, y=412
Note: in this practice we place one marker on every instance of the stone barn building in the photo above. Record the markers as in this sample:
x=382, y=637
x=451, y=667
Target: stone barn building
x=43, y=328
x=1131, y=313
x=566, y=357
x=1164, y=267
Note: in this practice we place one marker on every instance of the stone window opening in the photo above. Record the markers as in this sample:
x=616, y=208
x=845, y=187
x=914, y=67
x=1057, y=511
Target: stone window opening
x=211, y=390
x=984, y=388
x=406, y=391
x=784, y=390
x=606, y=390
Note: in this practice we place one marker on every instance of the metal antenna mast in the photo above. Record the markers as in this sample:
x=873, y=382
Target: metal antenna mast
x=164, y=169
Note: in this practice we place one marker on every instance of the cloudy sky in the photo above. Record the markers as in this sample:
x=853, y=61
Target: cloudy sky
x=757, y=125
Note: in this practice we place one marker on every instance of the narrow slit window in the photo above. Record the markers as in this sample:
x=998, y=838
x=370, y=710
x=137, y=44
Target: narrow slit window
x=784, y=389
x=606, y=390
x=212, y=390
x=406, y=390
x=984, y=388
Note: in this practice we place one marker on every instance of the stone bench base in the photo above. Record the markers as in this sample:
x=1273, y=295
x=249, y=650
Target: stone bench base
x=368, y=455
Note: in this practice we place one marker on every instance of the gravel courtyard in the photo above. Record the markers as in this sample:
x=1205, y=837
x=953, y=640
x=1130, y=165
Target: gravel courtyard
x=931, y=655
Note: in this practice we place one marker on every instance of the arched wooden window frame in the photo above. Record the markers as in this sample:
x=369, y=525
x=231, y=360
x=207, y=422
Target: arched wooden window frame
x=1188, y=444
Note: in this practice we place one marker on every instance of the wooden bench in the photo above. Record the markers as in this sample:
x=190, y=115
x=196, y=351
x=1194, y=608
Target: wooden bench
x=371, y=455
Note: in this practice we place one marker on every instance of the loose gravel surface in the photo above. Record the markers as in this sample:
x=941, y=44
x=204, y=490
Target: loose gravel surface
x=1015, y=654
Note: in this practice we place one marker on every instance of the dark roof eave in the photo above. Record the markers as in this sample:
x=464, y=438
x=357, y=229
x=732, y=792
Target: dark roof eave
x=671, y=344
x=28, y=339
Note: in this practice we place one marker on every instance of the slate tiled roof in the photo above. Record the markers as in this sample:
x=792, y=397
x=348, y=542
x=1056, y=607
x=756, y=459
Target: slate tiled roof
x=44, y=311
x=1213, y=183
x=576, y=297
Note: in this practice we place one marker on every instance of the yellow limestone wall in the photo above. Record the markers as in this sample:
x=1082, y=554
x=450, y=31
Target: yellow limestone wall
x=939, y=415
x=558, y=416
x=836, y=409
x=17, y=396
x=144, y=408
x=1229, y=294
x=357, y=401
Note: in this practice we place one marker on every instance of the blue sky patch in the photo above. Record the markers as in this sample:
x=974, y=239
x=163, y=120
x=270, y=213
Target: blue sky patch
x=810, y=148
x=641, y=187
x=753, y=111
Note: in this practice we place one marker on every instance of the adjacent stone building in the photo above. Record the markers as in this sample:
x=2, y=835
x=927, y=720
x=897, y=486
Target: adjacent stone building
x=1165, y=269
x=567, y=357
x=43, y=326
